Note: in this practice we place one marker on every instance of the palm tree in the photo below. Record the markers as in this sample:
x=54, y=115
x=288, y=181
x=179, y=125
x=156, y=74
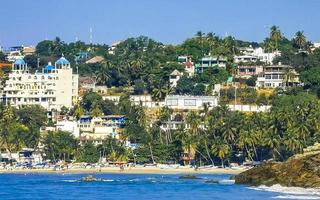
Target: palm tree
x=271, y=138
x=275, y=35
x=289, y=75
x=159, y=93
x=212, y=40
x=103, y=75
x=292, y=141
x=228, y=130
x=78, y=112
x=230, y=43
x=221, y=149
x=268, y=45
x=165, y=117
x=200, y=35
x=194, y=121
x=300, y=39
x=137, y=64
x=96, y=111
x=205, y=137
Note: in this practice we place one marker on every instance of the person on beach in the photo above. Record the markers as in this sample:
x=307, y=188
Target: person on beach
x=121, y=168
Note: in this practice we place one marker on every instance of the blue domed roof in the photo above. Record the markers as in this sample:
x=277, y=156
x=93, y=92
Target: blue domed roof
x=19, y=61
x=49, y=67
x=62, y=61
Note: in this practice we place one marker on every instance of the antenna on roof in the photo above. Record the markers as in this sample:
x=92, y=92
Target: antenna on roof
x=90, y=35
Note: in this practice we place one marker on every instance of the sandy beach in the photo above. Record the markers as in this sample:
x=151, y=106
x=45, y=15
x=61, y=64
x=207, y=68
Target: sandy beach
x=132, y=170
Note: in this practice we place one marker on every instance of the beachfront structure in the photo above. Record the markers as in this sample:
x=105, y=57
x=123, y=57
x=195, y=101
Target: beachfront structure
x=209, y=62
x=274, y=76
x=56, y=86
x=248, y=71
x=189, y=102
x=68, y=126
x=174, y=78
x=98, y=129
x=26, y=155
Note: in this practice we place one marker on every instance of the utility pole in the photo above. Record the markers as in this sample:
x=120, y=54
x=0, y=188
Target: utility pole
x=38, y=61
x=235, y=96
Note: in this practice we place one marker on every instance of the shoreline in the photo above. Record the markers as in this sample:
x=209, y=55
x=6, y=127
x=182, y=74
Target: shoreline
x=132, y=170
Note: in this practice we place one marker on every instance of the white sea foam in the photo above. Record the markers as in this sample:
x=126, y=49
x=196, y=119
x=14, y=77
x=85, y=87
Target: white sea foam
x=304, y=197
x=107, y=180
x=70, y=181
x=291, y=192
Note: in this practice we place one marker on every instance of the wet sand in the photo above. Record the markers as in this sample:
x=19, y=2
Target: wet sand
x=131, y=170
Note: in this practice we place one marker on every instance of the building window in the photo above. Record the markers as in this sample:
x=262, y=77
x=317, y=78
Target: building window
x=190, y=102
x=172, y=102
x=268, y=76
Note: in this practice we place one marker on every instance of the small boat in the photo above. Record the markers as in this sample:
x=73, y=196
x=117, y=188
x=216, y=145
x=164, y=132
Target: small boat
x=226, y=182
x=89, y=179
x=221, y=182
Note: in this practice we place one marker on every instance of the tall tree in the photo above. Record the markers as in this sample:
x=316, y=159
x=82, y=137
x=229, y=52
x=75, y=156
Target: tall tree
x=300, y=39
x=275, y=36
x=103, y=74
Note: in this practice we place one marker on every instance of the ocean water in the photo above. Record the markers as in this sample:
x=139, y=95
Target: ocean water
x=137, y=186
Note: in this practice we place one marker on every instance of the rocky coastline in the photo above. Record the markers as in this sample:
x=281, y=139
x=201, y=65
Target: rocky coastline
x=301, y=170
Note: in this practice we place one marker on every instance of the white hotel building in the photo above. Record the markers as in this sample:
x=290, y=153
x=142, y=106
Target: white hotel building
x=56, y=86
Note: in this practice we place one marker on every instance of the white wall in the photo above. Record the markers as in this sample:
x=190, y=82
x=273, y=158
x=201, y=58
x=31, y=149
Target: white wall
x=249, y=108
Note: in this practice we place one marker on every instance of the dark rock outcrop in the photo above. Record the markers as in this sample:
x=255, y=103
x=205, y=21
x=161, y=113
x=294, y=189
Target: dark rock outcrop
x=302, y=170
x=189, y=176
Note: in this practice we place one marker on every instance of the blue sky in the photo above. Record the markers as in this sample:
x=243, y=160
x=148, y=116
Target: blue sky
x=169, y=21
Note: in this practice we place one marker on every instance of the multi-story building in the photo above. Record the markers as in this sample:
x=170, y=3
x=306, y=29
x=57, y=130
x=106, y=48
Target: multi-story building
x=190, y=102
x=174, y=78
x=245, y=59
x=274, y=76
x=248, y=71
x=249, y=54
x=56, y=86
x=188, y=64
x=209, y=62
x=265, y=56
x=98, y=129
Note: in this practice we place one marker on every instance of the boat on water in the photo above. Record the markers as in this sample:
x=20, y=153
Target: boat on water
x=221, y=182
x=90, y=178
x=226, y=182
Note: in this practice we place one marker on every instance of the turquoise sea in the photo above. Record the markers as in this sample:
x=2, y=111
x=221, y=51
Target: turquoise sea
x=136, y=186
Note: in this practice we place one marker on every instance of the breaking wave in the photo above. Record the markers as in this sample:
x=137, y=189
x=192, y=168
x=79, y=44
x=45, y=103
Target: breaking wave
x=291, y=192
